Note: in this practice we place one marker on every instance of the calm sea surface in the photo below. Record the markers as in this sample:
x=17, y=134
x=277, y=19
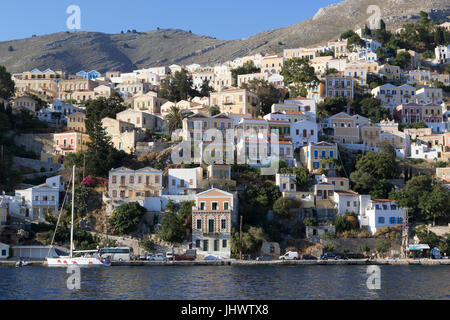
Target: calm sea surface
x=227, y=282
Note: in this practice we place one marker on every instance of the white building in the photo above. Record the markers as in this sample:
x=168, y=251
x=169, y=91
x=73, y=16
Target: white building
x=442, y=54
x=428, y=95
x=286, y=182
x=35, y=202
x=422, y=151
x=379, y=213
x=346, y=201
x=303, y=132
x=184, y=181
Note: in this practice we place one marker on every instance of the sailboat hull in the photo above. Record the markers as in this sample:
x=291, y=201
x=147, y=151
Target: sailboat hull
x=78, y=261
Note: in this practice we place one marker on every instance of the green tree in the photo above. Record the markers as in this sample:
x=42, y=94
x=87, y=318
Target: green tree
x=342, y=224
x=178, y=87
x=6, y=84
x=382, y=246
x=148, y=245
x=251, y=242
x=332, y=106
x=371, y=108
x=172, y=228
x=247, y=68
x=302, y=178
x=310, y=222
x=175, y=119
x=214, y=110
x=126, y=218
x=268, y=94
x=373, y=167
x=205, y=89
x=283, y=206
x=436, y=203
x=411, y=195
x=299, y=74
x=403, y=60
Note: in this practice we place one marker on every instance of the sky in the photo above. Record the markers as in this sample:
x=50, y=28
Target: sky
x=225, y=20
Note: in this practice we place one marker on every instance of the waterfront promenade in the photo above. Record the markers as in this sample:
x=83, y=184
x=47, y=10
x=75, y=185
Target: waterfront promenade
x=399, y=262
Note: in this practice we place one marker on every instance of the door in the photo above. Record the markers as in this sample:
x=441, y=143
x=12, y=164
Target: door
x=216, y=245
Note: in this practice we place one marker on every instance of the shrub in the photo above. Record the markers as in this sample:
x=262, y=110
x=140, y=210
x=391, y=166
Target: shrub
x=328, y=246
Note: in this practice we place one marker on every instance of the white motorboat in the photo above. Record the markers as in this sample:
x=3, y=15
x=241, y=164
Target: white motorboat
x=87, y=260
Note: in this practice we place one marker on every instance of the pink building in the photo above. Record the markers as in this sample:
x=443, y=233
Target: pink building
x=69, y=142
x=413, y=112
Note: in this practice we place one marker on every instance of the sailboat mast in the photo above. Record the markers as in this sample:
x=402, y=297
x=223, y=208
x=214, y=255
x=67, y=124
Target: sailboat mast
x=73, y=201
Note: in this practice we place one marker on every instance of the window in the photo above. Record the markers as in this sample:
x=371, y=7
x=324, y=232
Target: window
x=380, y=220
x=202, y=205
x=215, y=206
x=392, y=220
x=223, y=224
x=205, y=245
x=199, y=224
x=211, y=226
x=224, y=243
x=226, y=206
x=216, y=245
x=197, y=244
x=4, y=254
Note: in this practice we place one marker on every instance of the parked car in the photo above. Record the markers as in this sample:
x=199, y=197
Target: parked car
x=290, y=255
x=246, y=257
x=212, y=258
x=331, y=256
x=266, y=257
x=308, y=257
x=169, y=255
x=142, y=257
x=183, y=257
x=157, y=257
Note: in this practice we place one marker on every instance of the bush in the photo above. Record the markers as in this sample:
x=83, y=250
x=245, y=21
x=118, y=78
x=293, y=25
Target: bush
x=382, y=246
x=364, y=248
x=148, y=245
x=283, y=206
x=126, y=218
x=328, y=247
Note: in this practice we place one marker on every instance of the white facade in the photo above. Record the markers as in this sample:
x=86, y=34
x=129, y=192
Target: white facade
x=442, y=54
x=303, y=132
x=421, y=151
x=377, y=214
x=184, y=181
x=35, y=202
x=346, y=201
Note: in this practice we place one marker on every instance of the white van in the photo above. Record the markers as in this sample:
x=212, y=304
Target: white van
x=290, y=255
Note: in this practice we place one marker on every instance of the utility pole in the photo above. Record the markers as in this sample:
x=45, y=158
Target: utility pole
x=405, y=236
x=240, y=239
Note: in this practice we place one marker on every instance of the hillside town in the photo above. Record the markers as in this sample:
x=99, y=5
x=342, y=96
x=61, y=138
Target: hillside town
x=340, y=150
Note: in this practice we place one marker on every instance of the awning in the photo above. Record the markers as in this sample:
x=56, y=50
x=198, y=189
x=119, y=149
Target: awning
x=418, y=247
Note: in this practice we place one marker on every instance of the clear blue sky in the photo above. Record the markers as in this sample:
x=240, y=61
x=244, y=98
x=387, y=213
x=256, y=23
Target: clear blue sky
x=227, y=20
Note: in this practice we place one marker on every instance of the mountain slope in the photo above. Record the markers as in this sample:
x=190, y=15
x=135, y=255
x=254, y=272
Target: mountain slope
x=92, y=50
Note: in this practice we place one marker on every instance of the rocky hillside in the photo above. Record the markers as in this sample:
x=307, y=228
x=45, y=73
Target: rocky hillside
x=91, y=50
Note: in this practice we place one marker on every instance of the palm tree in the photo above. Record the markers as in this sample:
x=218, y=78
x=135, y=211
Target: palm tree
x=175, y=118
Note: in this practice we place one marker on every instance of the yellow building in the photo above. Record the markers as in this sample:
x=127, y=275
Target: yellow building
x=390, y=73
x=316, y=156
x=233, y=100
x=149, y=102
x=272, y=63
x=76, y=122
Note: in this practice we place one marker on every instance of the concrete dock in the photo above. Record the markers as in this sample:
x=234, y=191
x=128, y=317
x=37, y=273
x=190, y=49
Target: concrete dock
x=397, y=262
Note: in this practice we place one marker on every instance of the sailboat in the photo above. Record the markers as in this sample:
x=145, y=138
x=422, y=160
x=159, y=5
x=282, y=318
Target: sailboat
x=85, y=261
